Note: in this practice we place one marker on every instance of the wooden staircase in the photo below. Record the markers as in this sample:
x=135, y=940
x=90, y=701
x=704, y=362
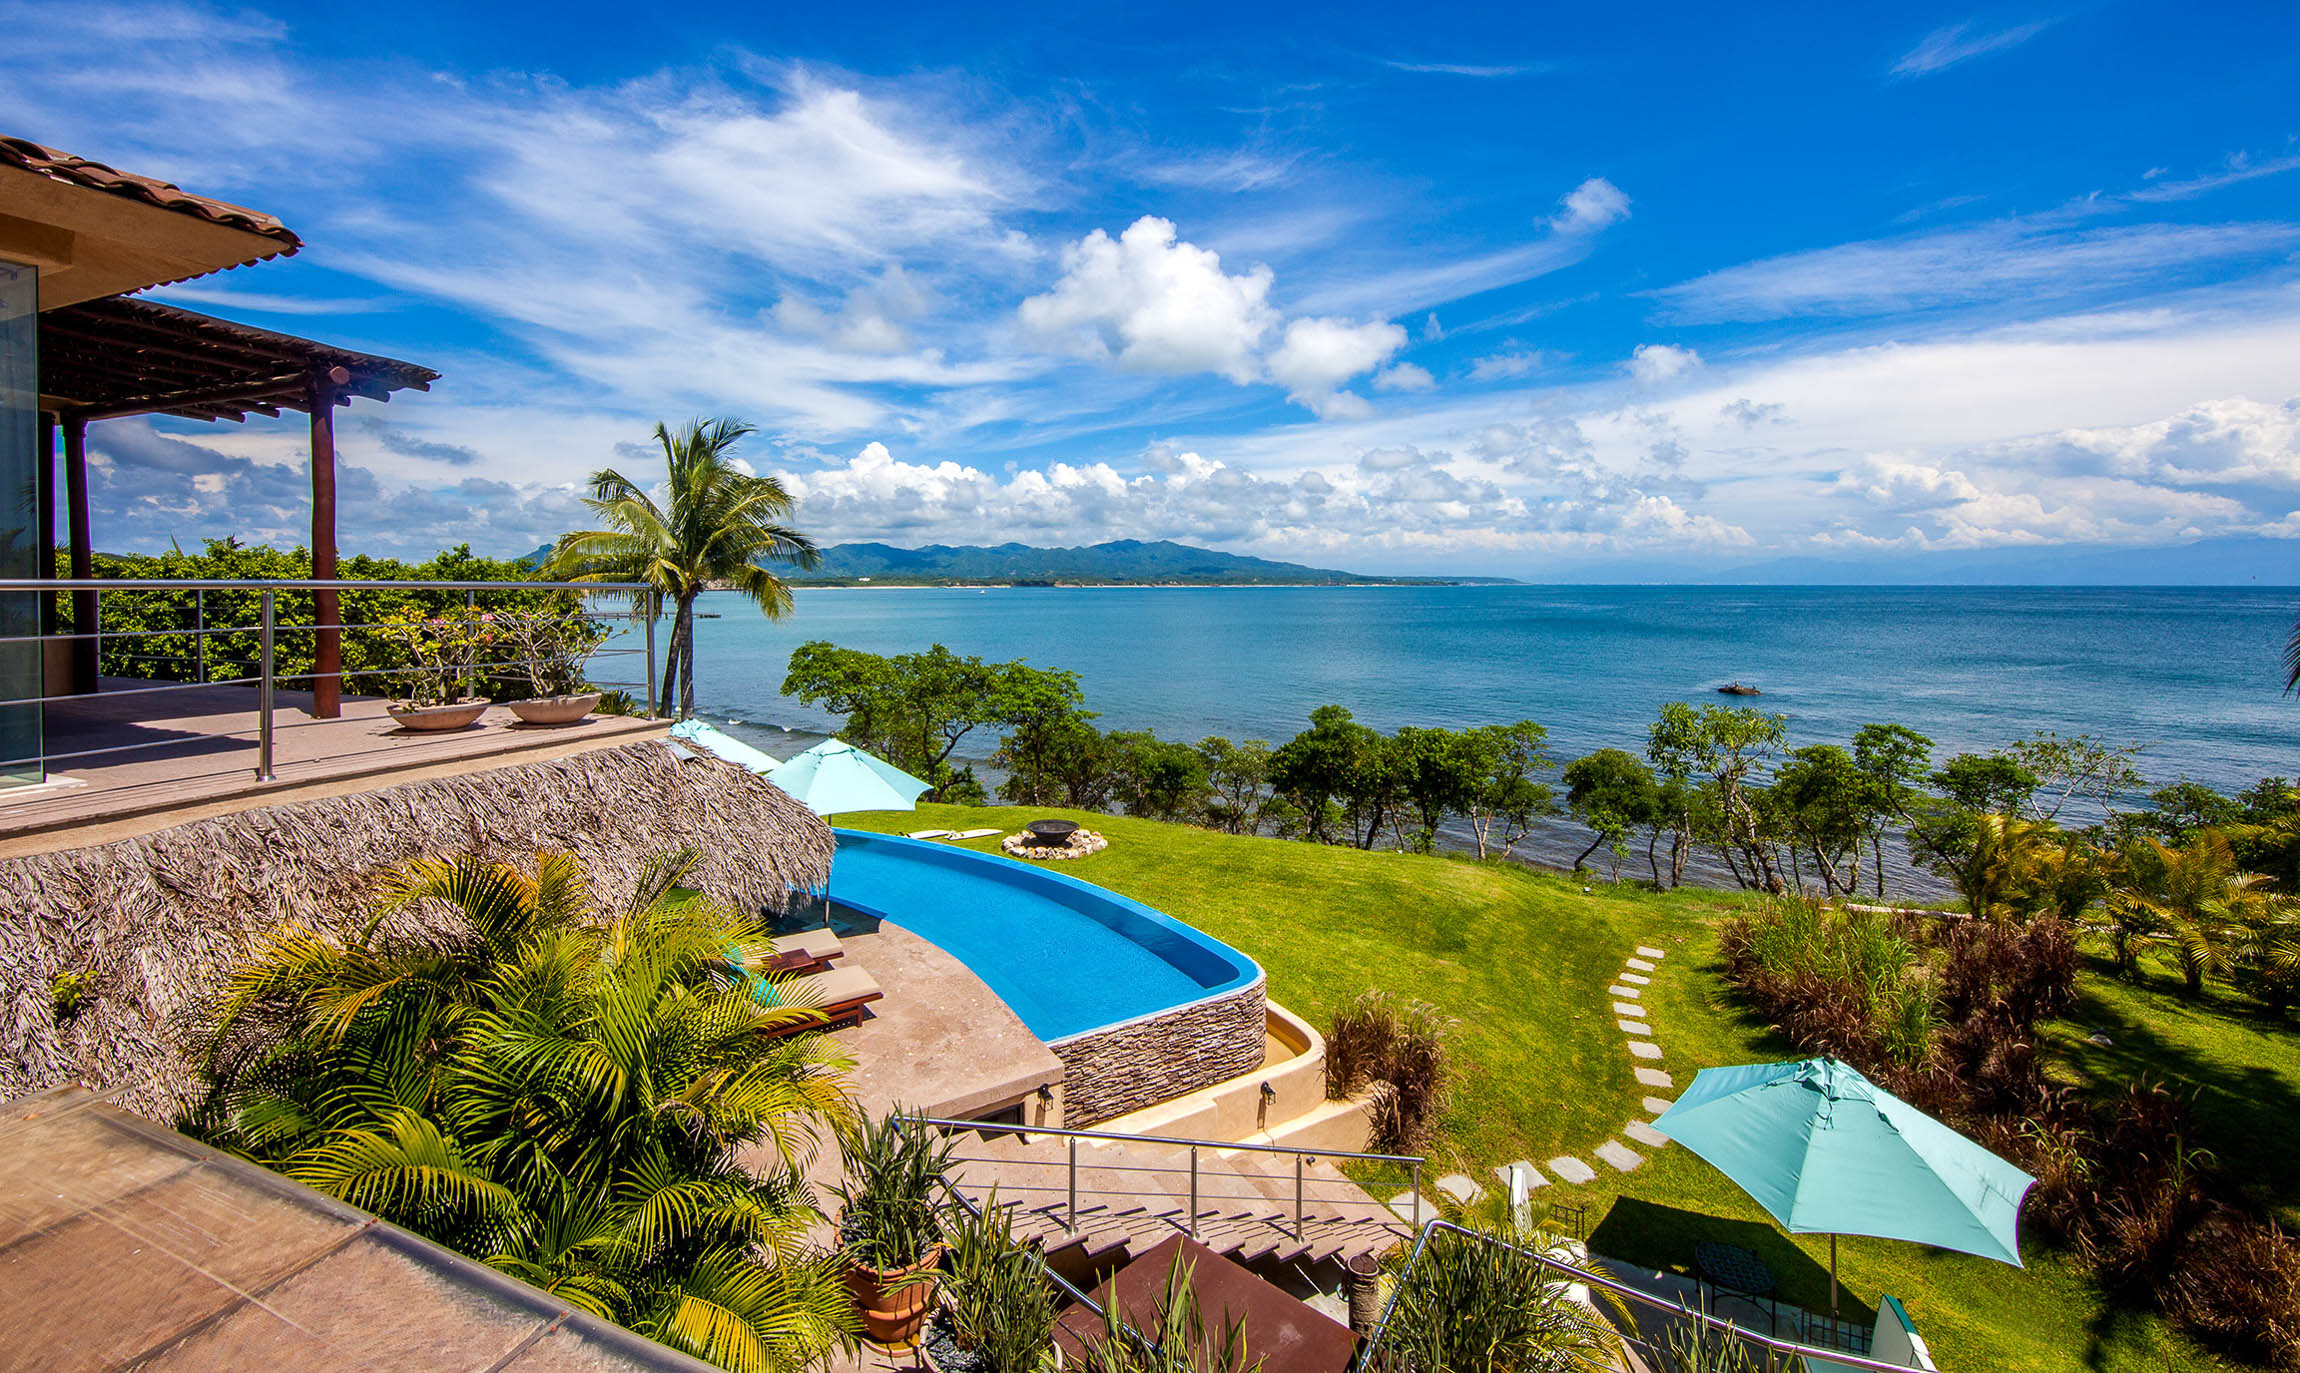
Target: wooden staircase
x=1131, y=1192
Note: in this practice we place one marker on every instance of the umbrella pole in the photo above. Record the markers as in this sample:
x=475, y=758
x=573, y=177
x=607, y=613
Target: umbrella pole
x=1832, y=1277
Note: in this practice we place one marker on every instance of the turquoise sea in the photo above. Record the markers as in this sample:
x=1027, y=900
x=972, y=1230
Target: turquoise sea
x=2191, y=673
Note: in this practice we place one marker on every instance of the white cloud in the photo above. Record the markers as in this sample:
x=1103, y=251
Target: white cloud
x=1946, y=47
x=1591, y=206
x=1318, y=355
x=1508, y=365
x=1153, y=304
x=1655, y=362
x=1404, y=376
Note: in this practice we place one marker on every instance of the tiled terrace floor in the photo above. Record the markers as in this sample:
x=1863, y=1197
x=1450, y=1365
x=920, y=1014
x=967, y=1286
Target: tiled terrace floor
x=191, y=752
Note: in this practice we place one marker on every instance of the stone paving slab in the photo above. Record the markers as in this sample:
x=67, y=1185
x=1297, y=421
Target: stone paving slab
x=1628, y=1008
x=1570, y=1169
x=1645, y=952
x=1533, y=1175
x=1403, y=1206
x=1631, y=992
x=1639, y=978
x=1641, y=965
x=1654, y=1077
x=1658, y=1104
x=1646, y=1135
x=1644, y=1048
x=1634, y=1027
x=1620, y=1155
x=1461, y=1187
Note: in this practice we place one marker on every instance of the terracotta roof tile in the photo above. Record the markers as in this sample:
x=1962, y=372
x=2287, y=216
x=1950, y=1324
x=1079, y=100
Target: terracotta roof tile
x=79, y=171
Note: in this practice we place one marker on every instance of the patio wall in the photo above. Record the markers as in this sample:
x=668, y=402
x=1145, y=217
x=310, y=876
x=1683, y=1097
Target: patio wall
x=1139, y=1063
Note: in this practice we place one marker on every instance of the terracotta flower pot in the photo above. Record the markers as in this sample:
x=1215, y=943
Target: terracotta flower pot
x=893, y=1305
x=437, y=717
x=555, y=710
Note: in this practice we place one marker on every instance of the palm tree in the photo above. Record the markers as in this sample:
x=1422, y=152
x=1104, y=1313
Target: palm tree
x=581, y=1099
x=720, y=524
x=2196, y=902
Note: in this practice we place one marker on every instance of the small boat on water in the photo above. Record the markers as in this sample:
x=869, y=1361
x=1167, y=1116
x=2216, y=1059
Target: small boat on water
x=1738, y=689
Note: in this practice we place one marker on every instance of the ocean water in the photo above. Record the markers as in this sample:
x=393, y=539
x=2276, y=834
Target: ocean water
x=2192, y=674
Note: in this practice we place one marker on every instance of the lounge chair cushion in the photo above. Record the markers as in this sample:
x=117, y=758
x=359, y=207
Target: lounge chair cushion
x=816, y=946
x=974, y=834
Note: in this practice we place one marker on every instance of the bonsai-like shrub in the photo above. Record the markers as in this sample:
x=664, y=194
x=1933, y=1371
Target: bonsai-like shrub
x=443, y=653
x=553, y=646
x=890, y=1219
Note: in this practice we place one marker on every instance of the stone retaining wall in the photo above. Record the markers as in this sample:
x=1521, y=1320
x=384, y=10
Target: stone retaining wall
x=1107, y=1073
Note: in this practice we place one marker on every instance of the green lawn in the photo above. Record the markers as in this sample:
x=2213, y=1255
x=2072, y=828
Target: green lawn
x=1521, y=960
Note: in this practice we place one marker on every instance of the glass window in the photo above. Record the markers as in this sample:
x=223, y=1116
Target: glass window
x=19, y=531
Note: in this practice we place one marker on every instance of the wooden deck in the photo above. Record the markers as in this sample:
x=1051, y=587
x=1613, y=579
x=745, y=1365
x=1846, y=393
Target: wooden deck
x=189, y=753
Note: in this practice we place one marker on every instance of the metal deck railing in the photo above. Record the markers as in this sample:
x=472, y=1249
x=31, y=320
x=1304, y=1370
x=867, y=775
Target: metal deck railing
x=262, y=671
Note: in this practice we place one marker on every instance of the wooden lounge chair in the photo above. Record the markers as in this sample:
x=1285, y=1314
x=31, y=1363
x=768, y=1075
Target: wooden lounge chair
x=928, y=834
x=807, y=951
x=974, y=834
x=839, y=994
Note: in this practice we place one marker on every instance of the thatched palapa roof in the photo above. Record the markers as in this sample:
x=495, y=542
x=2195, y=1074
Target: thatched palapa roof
x=159, y=917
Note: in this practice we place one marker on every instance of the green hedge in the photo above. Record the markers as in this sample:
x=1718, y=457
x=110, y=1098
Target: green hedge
x=373, y=664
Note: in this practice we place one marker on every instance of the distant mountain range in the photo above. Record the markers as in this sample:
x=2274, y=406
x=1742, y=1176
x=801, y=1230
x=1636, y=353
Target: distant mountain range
x=1122, y=562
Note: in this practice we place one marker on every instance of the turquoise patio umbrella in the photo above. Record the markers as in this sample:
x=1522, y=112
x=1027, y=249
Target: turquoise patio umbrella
x=725, y=745
x=1826, y=1151
x=835, y=776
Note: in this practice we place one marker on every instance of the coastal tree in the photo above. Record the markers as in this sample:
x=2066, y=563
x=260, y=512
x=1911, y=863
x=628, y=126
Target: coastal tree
x=917, y=708
x=1894, y=759
x=1727, y=747
x=1505, y=803
x=717, y=526
x=2072, y=768
x=1320, y=768
x=1823, y=803
x=1436, y=773
x=1160, y=779
x=2195, y=902
x=1037, y=707
x=1611, y=792
x=1239, y=774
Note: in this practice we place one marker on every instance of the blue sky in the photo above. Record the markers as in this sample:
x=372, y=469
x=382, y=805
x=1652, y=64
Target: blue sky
x=1400, y=290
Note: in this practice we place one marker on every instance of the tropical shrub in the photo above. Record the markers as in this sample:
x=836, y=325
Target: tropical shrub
x=1397, y=1047
x=889, y=1217
x=1177, y=1339
x=996, y=1303
x=1482, y=1302
x=559, y=1091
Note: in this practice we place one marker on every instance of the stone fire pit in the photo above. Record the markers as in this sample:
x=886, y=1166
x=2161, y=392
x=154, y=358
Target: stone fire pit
x=1053, y=841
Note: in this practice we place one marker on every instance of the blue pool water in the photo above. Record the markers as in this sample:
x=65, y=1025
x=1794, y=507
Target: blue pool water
x=1067, y=956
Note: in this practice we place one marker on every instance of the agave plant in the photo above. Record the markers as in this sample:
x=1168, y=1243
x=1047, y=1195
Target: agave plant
x=1483, y=1301
x=998, y=1302
x=557, y=1091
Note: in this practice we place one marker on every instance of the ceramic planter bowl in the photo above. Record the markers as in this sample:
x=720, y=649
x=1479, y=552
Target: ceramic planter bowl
x=555, y=710
x=429, y=718
x=893, y=1303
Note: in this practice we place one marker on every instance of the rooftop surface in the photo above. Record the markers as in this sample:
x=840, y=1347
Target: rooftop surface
x=123, y=1244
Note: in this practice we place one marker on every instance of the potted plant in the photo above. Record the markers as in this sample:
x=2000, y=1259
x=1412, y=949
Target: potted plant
x=443, y=652
x=889, y=1228
x=554, y=645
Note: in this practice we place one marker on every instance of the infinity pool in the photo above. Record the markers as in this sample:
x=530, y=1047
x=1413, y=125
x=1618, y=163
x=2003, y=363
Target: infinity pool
x=1067, y=956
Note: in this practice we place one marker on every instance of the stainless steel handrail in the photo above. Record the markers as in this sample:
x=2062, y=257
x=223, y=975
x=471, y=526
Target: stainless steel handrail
x=267, y=630
x=1636, y=1296
x=1413, y=1162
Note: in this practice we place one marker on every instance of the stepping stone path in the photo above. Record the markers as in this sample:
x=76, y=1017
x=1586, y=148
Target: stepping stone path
x=1628, y=1008
x=1533, y=1177
x=1644, y=951
x=1461, y=1187
x=1620, y=1155
x=1657, y=1104
x=1641, y=965
x=1570, y=1169
x=1643, y=1133
x=1654, y=1077
x=1634, y=1027
x=1639, y=978
x=1627, y=993
x=1403, y=1205
x=1644, y=1048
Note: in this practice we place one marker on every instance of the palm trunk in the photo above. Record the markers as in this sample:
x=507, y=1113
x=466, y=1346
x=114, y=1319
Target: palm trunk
x=686, y=636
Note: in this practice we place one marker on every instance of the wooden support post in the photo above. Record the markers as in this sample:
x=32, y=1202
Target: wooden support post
x=84, y=608
x=44, y=492
x=327, y=642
